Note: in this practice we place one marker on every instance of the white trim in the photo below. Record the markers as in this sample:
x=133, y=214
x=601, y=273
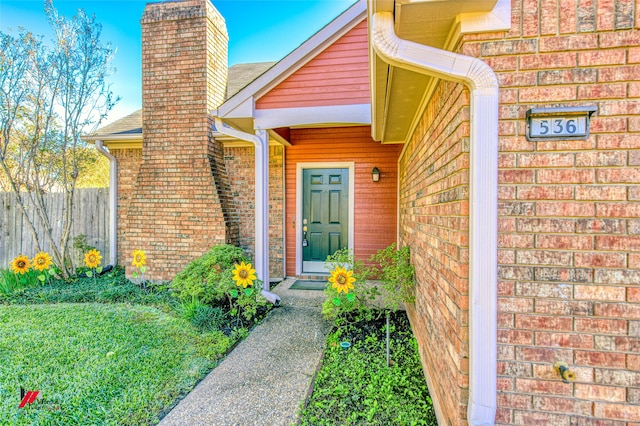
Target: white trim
x=114, y=145
x=284, y=213
x=328, y=165
x=483, y=197
x=296, y=59
x=261, y=201
x=113, y=203
x=498, y=19
x=235, y=143
x=357, y=114
x=111, y=137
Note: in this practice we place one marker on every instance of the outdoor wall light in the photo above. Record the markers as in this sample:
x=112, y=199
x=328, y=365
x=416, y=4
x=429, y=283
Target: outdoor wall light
x=375, y=174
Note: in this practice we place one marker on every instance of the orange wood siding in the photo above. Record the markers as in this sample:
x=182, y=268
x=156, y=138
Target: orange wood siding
x=375, y=203
x=337, y=76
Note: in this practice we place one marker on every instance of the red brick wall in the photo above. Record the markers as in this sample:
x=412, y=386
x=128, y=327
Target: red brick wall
x=375, y=203
x=434, y=208
x=128, y=161
x=240, y=163
x=181, y=204
x=568, y=215
x=569, y=233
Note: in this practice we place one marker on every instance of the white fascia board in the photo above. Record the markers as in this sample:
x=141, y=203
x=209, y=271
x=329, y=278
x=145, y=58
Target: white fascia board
x=499, y=19
x=113, y=137
x=243, y=109
x=359, y=114
x=296, y=59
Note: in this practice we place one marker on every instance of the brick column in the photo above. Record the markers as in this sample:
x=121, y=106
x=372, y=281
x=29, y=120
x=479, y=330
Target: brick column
x=181, y=204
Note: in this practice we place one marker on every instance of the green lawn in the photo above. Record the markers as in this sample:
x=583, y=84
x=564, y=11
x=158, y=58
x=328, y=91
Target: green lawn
x=99, y=363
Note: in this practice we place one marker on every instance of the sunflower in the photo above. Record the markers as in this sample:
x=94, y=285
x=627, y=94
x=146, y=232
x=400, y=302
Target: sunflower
x=244, y=275
x=42, y=261
x=139, y=259
x=341, y=279
x=20, y=265
x=92, y=259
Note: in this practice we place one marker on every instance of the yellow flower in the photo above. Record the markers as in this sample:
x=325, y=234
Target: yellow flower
x=42, y=261
x=244, y=274
x=20, y=265
x=92, y=259
x=139, y=259
x=341, y=279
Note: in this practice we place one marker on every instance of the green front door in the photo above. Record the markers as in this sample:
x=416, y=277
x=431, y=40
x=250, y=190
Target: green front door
x=325, y=215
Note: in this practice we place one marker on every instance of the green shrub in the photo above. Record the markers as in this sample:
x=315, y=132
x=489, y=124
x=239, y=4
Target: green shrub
x=11, y=282
x=342, y=307
x=8, y=282
x=390, y=265
x=208, y=318
x=396, y=273
x=202, y=316
x=209, y=280
x=205, y=278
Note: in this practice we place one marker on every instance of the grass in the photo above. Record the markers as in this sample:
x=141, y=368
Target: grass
x=108, y=352
x=103, y=351
x=355, y=386
x=99, y=364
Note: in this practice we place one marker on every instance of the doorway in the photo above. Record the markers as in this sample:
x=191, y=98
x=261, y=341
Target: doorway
x=325, y=214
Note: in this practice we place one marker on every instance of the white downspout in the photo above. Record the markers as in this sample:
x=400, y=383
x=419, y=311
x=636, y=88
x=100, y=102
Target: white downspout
x=261, y=143
x=483, y=214
x=113, y=203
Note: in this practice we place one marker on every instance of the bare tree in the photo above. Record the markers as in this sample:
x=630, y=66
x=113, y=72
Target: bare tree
x=49, y=96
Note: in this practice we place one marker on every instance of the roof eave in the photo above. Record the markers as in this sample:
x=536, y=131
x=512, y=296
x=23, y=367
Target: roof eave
x=112, y=137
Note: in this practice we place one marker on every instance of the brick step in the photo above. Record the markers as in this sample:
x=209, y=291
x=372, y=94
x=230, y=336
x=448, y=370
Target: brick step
x=314, y=277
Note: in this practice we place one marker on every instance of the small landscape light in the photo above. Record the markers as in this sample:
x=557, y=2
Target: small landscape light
x=345, y=345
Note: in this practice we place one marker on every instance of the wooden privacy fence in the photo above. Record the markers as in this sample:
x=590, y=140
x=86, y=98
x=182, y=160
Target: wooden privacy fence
x=90, y=218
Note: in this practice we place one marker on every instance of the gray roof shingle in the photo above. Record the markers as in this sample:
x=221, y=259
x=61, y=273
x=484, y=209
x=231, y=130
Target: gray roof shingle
x=240, y=75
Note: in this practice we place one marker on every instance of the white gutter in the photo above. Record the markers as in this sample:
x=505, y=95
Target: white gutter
x=112, y=137
x=483, y=214
x=261, y=143
x=113, y=203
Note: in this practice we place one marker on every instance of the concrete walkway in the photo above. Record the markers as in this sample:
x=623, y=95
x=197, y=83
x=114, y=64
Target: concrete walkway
x=266, y=378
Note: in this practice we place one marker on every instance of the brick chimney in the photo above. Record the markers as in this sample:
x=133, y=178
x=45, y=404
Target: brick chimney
x=181, y=205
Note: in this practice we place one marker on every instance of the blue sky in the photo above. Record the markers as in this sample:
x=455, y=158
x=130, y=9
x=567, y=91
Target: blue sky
x=258, y=31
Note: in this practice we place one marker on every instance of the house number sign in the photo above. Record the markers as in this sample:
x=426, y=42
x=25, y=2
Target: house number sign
x=559, y=123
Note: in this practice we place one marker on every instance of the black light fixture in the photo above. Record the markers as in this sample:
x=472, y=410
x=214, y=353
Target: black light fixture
x=375, y=174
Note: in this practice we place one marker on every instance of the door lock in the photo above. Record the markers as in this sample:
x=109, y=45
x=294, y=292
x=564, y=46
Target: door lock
x=305, y=243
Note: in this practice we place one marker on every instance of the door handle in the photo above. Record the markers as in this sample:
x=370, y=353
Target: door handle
x=305, y=243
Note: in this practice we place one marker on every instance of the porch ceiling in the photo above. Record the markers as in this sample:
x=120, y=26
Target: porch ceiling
x=398, y=95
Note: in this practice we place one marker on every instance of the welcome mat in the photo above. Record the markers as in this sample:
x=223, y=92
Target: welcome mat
x=308, y=285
